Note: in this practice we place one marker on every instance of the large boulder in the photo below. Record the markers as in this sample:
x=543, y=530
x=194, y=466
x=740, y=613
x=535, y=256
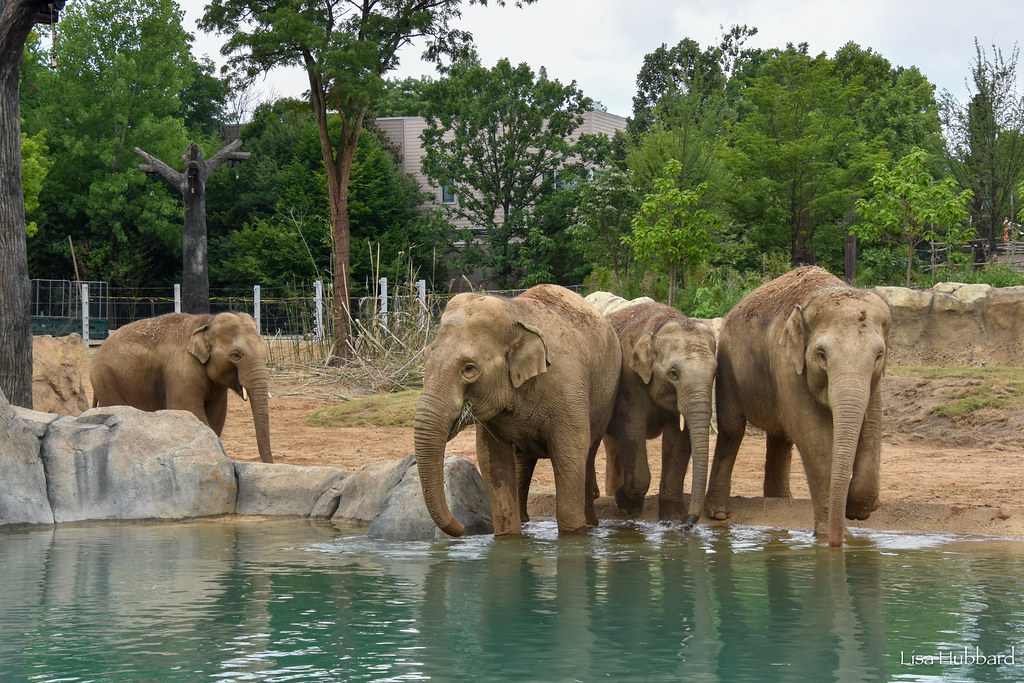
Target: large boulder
x=956, y=324
x=57, y=375
x=388, y=496
x=122, y=463
x=276, y=489
x=22, y=479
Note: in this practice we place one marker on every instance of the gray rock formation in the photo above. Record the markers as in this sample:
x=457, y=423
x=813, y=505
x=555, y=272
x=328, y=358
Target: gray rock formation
x=22, y=479
x=956, y=324
x=388, y=497
x=280, y=490
x=122, y=463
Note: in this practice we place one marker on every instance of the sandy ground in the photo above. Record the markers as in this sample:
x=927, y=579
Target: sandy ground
x=938, y=474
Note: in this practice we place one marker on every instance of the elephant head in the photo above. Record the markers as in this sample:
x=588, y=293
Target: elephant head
x=677, y=362
x=234, y=357
x=481, y=356
x=837, y=343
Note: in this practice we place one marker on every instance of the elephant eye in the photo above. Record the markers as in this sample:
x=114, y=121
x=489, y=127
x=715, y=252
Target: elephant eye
x=673, y=375
x=469, y=370
x=821, y=354
x=236, y=355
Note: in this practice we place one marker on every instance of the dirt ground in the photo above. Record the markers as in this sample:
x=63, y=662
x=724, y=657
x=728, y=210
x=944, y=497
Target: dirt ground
x=938, y=474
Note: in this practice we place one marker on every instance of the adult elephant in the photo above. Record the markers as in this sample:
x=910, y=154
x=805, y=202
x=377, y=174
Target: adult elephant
x=187, y=362
x=801, y=358
x=538, y=374
x=665, y=387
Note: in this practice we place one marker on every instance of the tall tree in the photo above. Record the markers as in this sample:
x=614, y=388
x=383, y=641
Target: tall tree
x=604, y=216
x=670, y=229
x=985, y=137
x=491, y=137
x=346, y=47
x=907, y=206
x=16, y=20
x=122, y=67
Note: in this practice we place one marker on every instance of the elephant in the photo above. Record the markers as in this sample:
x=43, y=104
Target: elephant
x=665, y=387
x=537, y=374
x=183, y=361
x=801, y=357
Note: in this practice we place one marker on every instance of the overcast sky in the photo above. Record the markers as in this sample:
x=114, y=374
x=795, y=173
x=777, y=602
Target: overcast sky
x=601, y=44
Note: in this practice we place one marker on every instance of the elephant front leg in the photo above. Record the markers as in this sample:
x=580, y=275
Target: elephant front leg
x=630, y=448
x=497, y=465
x=525, y=465
x=569, y=462
x=778, y=463
x=675, y=460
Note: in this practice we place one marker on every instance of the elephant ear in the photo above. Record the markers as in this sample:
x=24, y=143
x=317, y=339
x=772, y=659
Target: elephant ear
x=528, y=356
x=641, y=361
x=199, y=346
x=794, y=339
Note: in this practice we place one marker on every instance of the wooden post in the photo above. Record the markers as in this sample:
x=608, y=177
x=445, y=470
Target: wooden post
x=195, y=275
x=851, y=258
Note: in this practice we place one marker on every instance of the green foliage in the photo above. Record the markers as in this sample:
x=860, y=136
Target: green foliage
x=405, y=97
x=670, y=230
x=996, y=275
x=604, y=216
x=35, y=164
x=907, y=206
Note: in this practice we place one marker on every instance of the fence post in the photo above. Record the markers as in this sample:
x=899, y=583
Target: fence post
x=318, y=321
x=177, y=298
x=85, y=313
x=256, y=307
x=421, y=296
x=384, y=300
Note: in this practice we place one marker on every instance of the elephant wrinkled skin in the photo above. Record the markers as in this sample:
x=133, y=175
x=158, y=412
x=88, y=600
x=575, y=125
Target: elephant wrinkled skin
x=801, y=358
x=538, y=374
x=665, y=387
x=183, y=361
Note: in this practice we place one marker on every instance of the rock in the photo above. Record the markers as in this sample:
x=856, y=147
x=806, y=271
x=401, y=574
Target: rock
x=388, y=497
x=57, y=375
x=122, y=463
x=956, y=324
x=286, y=490
x=23, y=497
x=38, y=422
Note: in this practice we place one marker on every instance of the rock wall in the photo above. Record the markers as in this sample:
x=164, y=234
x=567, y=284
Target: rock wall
x=57, y=375
x=119, y=463
x=956, y=324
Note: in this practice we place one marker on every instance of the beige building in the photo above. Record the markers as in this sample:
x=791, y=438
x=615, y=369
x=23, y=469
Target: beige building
x=404, y=131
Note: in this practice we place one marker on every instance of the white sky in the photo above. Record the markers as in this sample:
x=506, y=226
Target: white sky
x=601, y=43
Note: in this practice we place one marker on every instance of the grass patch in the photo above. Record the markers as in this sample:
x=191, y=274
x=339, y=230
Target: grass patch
x=995, y=387
x=384, y=410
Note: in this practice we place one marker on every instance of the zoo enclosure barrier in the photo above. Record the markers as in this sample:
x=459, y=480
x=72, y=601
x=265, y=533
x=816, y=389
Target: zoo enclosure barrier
x=94, y=309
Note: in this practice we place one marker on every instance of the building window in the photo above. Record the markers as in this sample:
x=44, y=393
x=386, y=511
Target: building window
x=447, y=194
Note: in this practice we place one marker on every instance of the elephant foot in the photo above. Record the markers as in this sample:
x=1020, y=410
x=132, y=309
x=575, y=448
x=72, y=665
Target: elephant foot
x=717, y=511
x=670, y=510
x=690, y=521
x=859, y=511
x=629, y=504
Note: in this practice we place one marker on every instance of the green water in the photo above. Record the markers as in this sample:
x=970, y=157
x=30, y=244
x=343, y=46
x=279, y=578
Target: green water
x=294, y=601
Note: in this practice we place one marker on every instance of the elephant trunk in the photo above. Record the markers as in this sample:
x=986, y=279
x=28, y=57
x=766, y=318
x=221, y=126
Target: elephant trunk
x=849, y=399
x=431, y=430
x=256, y=385
x=696, y=410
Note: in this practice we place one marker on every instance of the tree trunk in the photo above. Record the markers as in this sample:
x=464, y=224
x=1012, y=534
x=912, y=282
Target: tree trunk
x=672, y=285
x=15, y=326
x=195, y=272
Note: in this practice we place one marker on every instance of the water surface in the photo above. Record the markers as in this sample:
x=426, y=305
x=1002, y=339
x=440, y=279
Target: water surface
x=300, y=601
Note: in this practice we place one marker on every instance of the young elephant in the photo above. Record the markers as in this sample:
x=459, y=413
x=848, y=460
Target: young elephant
x=538, y=374
x=187, y=362
x=665, y=387
x=801, y=358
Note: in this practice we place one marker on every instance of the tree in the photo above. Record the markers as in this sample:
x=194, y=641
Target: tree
x=604, y=216
x=346, y=48
x=491, y=137
x=907, y=206
x=985, y=140
x=16, y=19
x=670, y=229
x=122, y=68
